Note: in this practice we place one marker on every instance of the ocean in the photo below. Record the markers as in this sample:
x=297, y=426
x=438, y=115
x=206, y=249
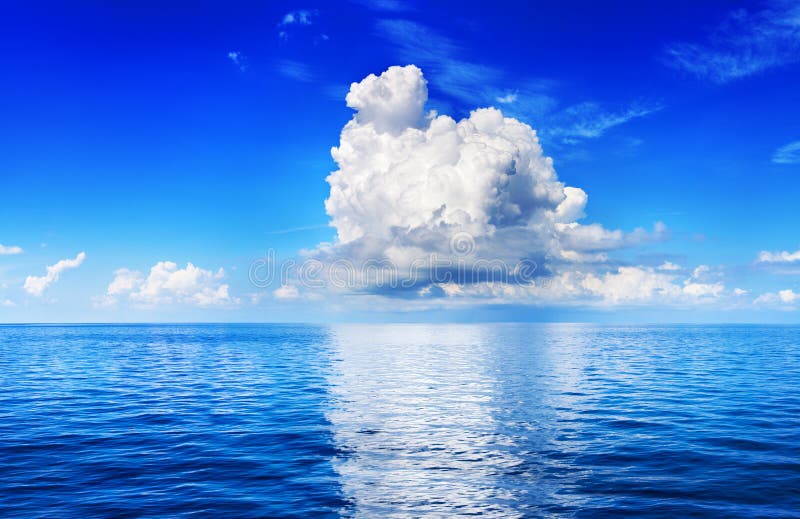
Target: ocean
x=407, y=420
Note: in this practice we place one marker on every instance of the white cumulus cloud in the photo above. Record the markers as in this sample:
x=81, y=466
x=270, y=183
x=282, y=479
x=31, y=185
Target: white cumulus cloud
x=168, y=284
x=412, y=183
x=36, y=285
x=409, y=179
x=783, y=299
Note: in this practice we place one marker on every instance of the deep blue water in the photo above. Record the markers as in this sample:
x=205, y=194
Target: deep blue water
x=526, y=420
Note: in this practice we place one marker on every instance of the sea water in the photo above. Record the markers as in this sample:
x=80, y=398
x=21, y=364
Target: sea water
x=430, y=420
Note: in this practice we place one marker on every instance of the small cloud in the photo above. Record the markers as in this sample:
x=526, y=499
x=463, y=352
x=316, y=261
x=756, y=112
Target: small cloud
x=239, y=60
x=783, y=299
x=669, y=266
x=299, y=17
x=286, y=292
x=506, y=99
x=788, y=154
x=295, y=70
x=9, y=250
x=783, y=257
x=8, y=303
x=740, y=292
x=36, y=285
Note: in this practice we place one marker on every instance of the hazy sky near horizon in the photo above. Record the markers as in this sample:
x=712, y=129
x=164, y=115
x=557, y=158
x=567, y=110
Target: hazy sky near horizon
x=151, y=153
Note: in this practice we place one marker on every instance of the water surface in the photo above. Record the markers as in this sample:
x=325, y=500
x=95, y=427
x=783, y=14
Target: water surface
x=501, y=420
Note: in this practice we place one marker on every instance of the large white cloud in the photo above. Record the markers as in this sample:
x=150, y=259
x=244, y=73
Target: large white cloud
x=409, y=181
x=168, y=284
x=412, y=183
x=36, y=285
x=403, y=174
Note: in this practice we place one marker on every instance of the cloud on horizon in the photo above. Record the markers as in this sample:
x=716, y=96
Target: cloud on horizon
x=167, y=284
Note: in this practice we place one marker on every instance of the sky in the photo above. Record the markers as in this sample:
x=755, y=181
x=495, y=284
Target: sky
x=209, y=161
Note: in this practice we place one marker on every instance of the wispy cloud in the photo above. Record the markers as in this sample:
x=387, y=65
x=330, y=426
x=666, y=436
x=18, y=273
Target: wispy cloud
x=395, y=6
x=295, y=70
x=473, y=84
x=300, y=229
x=8, y=250
x=476, y=84
x=437, y=55
x=744, y=44
x=238, y=59
x=590, y=120
x=788, y=154
x=36, y=285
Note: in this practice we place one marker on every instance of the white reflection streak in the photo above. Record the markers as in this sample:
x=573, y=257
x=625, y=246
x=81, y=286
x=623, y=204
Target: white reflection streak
x=412, y=412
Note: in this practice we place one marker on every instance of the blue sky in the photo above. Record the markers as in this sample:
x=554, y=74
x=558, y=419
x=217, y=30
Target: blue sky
x=138, y=133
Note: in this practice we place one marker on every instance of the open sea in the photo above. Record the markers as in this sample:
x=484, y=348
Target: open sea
x=496, y=420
